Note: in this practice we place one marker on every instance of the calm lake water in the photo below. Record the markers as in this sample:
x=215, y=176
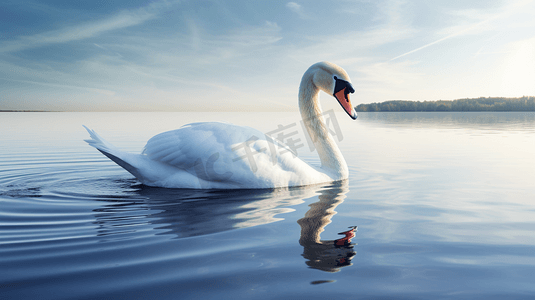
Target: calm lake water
x=444, y=203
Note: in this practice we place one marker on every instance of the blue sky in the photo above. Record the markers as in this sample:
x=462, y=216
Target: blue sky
x=250, y=55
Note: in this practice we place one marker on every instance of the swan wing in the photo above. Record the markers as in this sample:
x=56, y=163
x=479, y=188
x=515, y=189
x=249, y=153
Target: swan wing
x=199, y=142
x=231, y=155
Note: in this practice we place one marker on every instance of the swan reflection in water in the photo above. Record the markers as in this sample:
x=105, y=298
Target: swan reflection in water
x=326, y=255
x=178, y=213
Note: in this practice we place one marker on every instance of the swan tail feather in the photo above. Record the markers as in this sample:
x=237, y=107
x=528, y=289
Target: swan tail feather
x=98, y=142
x=111, y=152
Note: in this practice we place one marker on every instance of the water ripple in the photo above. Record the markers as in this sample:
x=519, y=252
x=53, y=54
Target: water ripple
x=435, y=219
x=65, y=216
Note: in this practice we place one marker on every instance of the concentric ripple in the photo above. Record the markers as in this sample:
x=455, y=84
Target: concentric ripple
x=67, y=216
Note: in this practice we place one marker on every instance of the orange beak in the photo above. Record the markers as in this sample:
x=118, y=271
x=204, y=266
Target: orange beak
x=343, y=98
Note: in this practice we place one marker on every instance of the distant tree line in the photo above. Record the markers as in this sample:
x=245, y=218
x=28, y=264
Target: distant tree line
x=526, y=103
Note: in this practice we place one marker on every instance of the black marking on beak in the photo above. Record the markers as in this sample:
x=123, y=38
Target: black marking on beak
x=340, y=84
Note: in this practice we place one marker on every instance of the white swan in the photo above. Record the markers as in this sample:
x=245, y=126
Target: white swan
x=213, y=155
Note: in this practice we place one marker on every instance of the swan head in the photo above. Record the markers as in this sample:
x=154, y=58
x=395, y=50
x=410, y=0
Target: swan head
x=334, y=80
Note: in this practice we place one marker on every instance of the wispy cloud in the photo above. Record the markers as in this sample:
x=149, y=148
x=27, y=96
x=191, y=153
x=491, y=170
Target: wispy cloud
x=297, y=8
x=480, y=22
x=123, y=19
x=100, y=91
x=390, y=26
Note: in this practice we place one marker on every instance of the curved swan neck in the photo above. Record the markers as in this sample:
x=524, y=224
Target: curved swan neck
x=331, y=158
